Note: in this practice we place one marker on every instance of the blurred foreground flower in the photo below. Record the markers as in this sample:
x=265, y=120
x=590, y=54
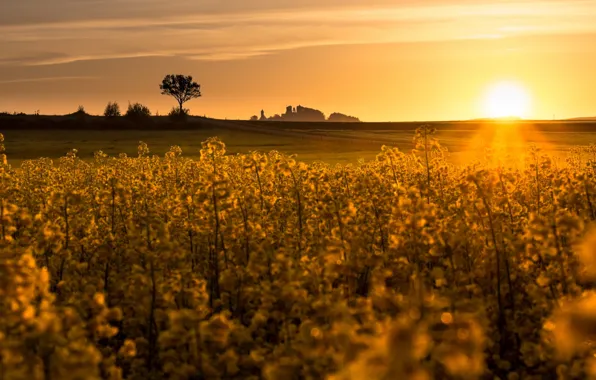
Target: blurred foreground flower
x=587, y=255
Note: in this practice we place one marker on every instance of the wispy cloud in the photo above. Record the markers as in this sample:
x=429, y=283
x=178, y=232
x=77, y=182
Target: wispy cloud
x=40, y=61
x=46, y=79
x=230, y=34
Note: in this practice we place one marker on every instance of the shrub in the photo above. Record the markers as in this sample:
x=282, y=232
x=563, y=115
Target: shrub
x=176, y=114
x=81, y=114
x=112, y=110
x=138, y=111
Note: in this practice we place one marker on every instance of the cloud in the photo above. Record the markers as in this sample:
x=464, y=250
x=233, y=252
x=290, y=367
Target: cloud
x=25, y=58
x=31, y=12
x=46, y=79
x=226, y=32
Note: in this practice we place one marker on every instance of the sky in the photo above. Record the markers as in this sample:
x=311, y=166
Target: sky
x=379, y=60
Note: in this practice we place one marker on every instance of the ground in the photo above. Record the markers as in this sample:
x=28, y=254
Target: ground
x=329, y=142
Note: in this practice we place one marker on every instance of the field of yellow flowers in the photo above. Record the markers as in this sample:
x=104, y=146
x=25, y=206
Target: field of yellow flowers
x=257, y=266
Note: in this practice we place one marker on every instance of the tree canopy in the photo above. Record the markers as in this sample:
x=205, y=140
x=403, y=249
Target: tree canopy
x=180, y=87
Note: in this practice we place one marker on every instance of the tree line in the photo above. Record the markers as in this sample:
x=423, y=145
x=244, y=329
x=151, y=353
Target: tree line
x=181, y=87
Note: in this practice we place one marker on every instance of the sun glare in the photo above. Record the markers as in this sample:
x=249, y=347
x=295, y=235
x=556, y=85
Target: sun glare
x=506, y=99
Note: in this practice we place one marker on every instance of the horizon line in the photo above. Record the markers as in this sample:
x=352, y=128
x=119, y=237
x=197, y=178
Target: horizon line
x=481, y=119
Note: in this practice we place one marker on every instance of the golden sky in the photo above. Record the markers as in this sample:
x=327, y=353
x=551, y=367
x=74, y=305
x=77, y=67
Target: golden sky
x=380, y=60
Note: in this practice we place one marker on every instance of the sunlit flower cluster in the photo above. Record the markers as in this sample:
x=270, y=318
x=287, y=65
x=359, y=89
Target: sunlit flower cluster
x=258, y=266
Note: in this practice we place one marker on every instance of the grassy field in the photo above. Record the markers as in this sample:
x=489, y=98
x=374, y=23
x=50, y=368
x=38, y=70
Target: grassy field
x=31, y=144
x=329, y=142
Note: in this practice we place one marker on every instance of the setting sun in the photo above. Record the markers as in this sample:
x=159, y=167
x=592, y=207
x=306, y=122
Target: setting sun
x=507, y=99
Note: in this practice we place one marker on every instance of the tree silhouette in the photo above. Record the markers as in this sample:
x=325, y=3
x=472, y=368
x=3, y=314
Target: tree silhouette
x=112, y=110
x=181, y=87
x=137, y=111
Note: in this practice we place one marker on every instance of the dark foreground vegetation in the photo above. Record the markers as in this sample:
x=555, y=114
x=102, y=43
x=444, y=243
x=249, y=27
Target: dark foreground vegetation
x=81, y=121
x=257, y=266
x=142, y=118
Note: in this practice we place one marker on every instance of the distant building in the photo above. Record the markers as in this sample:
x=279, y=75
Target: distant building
x=301, y=113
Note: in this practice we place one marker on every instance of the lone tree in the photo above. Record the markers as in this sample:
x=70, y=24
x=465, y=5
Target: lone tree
x=181, y=87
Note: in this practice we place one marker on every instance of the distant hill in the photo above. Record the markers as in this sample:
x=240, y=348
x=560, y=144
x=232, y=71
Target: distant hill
x=341, y=118
x=79, y=113
x=589, y=118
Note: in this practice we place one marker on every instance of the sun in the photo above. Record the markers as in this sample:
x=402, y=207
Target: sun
x=506, y=99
